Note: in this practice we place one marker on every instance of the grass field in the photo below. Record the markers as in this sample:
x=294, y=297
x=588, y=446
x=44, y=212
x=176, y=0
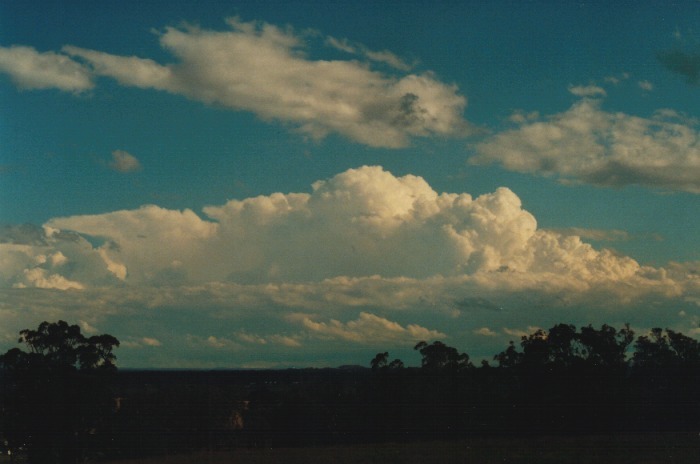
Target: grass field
x=637, y=449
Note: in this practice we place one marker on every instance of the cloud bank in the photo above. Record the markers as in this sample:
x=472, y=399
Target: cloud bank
x=365, y=259
x=589, y=145
x=360, y=223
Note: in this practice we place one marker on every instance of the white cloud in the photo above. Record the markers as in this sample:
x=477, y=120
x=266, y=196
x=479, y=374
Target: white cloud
x=587, y=144
x=30, y=69
x=485, y=331
x=124, y=162
x=361, y=223
x=365, y=256
x=149, y=341
x=368, y=328
x=264, y=69
x=41, y=278
x=587, y=91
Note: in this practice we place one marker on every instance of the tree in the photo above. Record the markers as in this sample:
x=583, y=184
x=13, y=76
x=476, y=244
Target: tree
x=670, y=349
x=606, y=347
x=653, y=350
x=381, y=362
x=510, y=357
x=438, y=356
x=55, y=394
x=554, y=347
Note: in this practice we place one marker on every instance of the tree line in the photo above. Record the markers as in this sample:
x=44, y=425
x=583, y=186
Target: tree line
x=63, y=400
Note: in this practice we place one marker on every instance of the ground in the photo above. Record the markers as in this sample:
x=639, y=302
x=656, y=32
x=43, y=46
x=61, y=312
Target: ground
x=637, y=449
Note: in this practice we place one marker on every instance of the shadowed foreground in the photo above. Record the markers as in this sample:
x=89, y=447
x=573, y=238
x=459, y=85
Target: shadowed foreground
x=638, y=449
x=565, y=396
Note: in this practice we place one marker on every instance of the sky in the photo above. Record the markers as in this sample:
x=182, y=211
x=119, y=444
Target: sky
x=293, y=184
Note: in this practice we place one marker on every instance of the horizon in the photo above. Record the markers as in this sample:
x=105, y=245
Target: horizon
x=258, y=186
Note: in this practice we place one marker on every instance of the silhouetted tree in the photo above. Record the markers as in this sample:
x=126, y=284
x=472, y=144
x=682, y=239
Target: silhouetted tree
x=438, y=356
x=55, y=394
x=606, y=347
x=381, y=362
x=670, y=349
x=509, y=358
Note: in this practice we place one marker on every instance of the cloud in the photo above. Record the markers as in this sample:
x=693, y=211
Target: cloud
x=683, y=63
x=30, y=69
x=361, y=223
x=368, y=328
x=365, y=259
x=485, y=331
x=587, y=91
x=264, y=69
x=149, y=341
x=589, y=145
x=646, y=85
x=384, y=56
x=519, y=333
x=616, y=79
x=602, y=235
x=139, y=343
x=124, y=162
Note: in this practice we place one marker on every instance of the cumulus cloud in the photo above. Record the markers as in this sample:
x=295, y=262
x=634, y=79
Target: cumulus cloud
x=30, y=69
x=363, y=257
x=124, y=162
x=587, y=144
x=265, y=69
x=48, y=258
x=361, y=223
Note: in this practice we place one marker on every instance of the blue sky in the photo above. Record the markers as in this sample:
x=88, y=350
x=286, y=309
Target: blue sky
x=253, y=184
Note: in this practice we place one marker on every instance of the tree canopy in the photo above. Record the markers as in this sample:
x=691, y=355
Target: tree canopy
x=56, y=394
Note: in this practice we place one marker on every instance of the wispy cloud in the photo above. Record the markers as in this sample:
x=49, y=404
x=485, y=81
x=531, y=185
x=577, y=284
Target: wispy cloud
x=615, y=79
x=606, y=235
x=613, y=235
x=383, y=56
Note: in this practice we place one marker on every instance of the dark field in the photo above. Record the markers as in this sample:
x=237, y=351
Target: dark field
x=542, y=405
x=637, y=449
